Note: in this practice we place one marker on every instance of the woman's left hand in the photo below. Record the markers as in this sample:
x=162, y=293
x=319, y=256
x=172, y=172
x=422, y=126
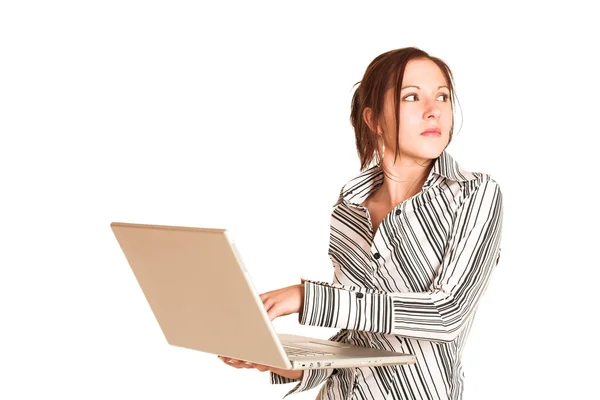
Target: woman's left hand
x=284, y=301
x=288, y=373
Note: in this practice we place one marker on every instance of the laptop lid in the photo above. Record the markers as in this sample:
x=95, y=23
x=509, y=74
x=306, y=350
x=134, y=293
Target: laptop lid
x=199, y=291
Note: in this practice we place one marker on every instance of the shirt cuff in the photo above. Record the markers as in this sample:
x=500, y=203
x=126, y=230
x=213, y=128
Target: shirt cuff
x=277, y=379
x=330, y=306
x=310, y=379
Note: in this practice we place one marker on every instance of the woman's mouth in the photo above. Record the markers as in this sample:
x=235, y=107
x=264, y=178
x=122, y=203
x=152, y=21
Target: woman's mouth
x=432, y=132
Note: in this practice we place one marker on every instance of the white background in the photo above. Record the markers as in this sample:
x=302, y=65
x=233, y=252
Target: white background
x=236, y=115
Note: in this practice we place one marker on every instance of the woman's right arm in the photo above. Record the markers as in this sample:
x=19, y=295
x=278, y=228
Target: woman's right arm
x=439, y=313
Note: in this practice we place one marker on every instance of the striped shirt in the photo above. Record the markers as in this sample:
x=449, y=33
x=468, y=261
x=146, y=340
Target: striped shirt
x=414, y=287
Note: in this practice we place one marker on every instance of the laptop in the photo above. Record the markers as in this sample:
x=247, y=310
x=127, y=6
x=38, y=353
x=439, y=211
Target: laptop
x=203, y=299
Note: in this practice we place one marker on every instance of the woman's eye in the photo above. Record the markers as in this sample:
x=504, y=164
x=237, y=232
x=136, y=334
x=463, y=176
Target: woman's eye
x=414, y=97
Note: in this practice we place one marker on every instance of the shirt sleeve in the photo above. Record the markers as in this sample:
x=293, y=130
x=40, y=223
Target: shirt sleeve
x=310, y=379
x=439, y=313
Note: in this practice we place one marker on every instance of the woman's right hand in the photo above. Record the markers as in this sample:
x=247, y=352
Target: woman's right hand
x=288, y=373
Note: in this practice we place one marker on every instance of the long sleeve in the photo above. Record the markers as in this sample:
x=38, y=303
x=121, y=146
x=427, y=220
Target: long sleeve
x=311, y=378
x=439, y=313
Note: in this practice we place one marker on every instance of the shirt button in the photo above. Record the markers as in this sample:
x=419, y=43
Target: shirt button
x=377, y=255
x=398, y=212
x=359, y=295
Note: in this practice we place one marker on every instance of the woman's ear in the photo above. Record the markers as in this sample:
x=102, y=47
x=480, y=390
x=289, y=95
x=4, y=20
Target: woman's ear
x=368, y=118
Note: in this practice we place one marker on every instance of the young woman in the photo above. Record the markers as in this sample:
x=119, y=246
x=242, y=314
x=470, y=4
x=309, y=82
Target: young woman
x=414, y=240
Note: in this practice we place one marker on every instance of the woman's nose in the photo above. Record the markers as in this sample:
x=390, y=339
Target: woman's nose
x=432, y=109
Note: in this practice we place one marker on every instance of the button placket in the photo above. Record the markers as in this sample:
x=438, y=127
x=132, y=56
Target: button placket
x=375, y=259
x=398, y=213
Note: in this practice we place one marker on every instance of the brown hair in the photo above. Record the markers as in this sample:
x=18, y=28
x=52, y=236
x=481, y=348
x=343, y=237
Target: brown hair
x=385, y=72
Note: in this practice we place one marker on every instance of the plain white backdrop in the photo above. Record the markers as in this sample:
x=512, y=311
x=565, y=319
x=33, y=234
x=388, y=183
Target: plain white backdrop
x=236, y=115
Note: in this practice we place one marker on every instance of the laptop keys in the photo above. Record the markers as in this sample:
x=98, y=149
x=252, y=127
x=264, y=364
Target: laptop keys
x=303, y=352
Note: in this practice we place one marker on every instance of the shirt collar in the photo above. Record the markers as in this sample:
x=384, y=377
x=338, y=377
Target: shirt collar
x=369, y=180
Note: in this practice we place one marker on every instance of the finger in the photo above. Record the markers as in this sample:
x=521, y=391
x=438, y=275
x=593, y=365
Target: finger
x=268, y=303
x=235, y=363
x=271, y=314
x=276, y=311
x=242, y=364
x=227, y=359
x=265, y=295
x=239, y=365
x=261, y=368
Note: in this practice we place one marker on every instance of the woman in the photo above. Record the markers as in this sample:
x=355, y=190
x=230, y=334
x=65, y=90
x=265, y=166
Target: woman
x=414, y=239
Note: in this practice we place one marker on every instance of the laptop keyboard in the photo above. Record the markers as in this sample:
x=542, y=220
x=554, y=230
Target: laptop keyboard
x=303, y=352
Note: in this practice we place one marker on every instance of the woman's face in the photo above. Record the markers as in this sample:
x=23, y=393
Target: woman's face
x=424, y=104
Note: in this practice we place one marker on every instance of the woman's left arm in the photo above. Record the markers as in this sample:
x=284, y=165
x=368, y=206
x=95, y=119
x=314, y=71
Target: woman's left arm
x=439, y=313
